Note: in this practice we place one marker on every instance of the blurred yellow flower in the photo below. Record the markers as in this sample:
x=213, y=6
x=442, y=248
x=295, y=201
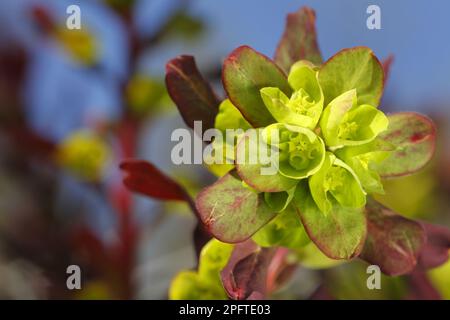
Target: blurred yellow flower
x=85, y=154
x=144, y=94
x=94, y=290
x=79, y=43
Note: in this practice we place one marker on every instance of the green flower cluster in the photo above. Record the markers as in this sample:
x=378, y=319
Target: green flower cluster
x=321, y=148
x=332, y=146
x=305, y=146
x=327, y=152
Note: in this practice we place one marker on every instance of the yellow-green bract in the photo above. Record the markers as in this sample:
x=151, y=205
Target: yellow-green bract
x=333, y=144
x=205, y=283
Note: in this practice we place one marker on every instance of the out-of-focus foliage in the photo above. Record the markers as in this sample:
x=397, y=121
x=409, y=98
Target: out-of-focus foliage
x=85, y=154
x=145, y=95
x=206, y=282
x=80, y=44
x=185, y=26
x=420, y=202
x=73, y=104
x=350, y=282
x=440, y=278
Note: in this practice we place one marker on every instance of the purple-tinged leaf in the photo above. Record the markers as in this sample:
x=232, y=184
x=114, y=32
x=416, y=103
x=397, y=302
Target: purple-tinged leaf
x=245, y=275
x=436, y=250
x=387, y=63
x=143, y=177
x=321, y=293
x=193, y=96
x=280, y=269
x=299, y=40
x=244, y=73
x=339, y=234
x=414, y=137
x=201, y=238
x=393, y=242
x=256, y=296
x=420, y=287
x=232, y=212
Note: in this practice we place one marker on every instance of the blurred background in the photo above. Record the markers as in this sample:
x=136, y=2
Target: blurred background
x=74, y=103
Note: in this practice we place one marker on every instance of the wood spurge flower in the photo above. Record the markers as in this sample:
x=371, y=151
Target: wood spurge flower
x=333, y=147
x=327, y=127
x=333, y=143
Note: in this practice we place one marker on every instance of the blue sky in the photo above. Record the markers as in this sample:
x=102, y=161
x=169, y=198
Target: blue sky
x=416, y=32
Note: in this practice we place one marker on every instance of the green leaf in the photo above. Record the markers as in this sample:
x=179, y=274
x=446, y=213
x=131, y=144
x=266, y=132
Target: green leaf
x=349, y=282
x=285, y=230
x=231, y=211
x=414, y=136
x=206, y=283
x=299, y=40
x=354, y=68
x=188, y=285
x=278, y=201
x=422, y=190
x=440, y=278
x=219, y=170
x=393, y=242
x=221, y=151
x=311, y=257
x=213, y=258
x=229, y=117
x=339, y=234
x=245, y=73
x=251, y=170
x=339, y=180
x=305, y=105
